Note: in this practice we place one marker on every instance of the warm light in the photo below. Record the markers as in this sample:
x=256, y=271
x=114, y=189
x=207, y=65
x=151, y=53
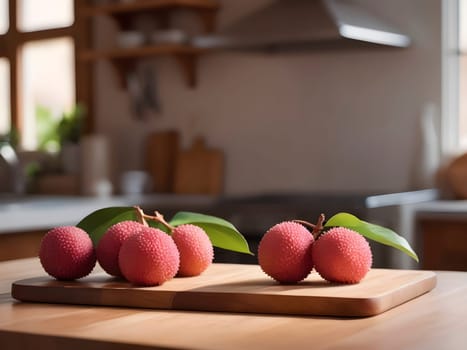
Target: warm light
x=48, y=81
x=4, y=16
x=44, y=14
x=463, y=26
x=462, y=128
x=4, y=96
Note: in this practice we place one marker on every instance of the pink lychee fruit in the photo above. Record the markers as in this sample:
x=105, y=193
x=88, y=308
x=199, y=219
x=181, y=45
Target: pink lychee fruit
x=109, y=245
x=67, y=253
x=195, y=247
x=284, y=252
x=342, y=255
x=149, y=257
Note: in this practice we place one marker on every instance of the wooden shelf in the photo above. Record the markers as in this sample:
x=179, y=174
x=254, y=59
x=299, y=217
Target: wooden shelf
x=206, y=9
x=145, y=5
x=139, y=52
x=124, y=59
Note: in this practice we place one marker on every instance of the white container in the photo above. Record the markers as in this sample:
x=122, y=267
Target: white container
x=130, y=39
x=134, y=182
x=95, y=166
x=170, y=36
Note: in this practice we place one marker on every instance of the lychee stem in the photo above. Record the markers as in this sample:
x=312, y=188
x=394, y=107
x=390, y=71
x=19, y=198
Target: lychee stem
x=160, y=219
x=140, y=216
x=317, y=228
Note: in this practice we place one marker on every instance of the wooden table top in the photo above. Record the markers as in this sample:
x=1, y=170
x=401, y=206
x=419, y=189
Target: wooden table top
x=437, y=320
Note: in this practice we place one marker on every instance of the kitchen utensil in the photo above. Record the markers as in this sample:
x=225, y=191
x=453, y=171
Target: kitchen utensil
x=238, y=288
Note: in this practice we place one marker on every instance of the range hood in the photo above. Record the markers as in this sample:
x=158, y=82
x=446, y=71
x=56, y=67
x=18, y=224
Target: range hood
x=306, y=24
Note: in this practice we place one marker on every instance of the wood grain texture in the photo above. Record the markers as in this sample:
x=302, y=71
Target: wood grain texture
x=199, y=170
x=446, y=251
x=161, y=155
x=238, y=288
x=17, y=245
x=435, y=320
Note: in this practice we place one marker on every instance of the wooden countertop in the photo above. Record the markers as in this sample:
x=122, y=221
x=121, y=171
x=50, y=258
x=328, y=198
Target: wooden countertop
x=436, y=320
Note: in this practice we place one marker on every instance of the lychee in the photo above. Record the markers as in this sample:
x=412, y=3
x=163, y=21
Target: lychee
x=111, y=242
x=149, y=257
x=195, y=247
x=342, y=255
x=284, y=252
x=67, y=253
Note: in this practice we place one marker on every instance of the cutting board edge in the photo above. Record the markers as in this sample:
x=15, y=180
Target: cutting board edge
x=92, y=296
x=379, y=304
x=205, y=301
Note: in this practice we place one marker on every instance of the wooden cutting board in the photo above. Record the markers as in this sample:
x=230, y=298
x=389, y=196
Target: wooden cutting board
x=162, y=149
x=238, y=288
x=199, y=170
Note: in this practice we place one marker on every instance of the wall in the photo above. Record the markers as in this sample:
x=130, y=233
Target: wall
x=327, y=121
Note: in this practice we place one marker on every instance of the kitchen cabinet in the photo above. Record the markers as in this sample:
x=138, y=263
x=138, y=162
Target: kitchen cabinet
x=124, y=59
x=26, y=219
x=16, y=245
x=444, y=241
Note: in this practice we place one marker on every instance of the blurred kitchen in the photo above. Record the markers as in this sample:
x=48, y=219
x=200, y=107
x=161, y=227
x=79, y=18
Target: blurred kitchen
x=255, y=111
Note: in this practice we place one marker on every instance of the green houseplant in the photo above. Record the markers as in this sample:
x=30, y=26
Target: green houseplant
x=69, y=131
x=70, y=127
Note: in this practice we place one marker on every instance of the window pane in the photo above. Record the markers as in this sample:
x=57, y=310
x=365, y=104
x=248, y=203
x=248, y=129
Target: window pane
x=48, y=88
x=4, y=96
x=463, y=26
x=3, y=16
x=463, y=102
x=44, y=14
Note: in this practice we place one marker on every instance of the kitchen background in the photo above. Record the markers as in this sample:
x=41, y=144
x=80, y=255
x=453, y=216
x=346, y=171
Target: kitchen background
x=289, y=134
x=345, y=120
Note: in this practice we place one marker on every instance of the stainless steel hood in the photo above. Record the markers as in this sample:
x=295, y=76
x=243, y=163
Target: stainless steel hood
x=306, y=24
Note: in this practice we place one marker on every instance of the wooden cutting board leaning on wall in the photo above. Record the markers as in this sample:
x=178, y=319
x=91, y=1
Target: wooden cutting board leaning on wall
x=199, y=170
x=161, y=156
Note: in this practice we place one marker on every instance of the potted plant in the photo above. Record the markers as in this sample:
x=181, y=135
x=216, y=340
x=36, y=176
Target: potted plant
x=69, y=130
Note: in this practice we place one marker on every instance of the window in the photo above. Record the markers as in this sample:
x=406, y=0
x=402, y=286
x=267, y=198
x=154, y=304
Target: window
x=462, y=40
x=3, y=16
x=454, y=122
x=48, y=87
x=4, y=96
x=37, y=66
x=44, y=14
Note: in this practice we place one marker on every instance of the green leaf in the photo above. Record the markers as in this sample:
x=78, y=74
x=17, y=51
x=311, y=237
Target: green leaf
x=221, y=232
x=371, y=231
x=96, y=223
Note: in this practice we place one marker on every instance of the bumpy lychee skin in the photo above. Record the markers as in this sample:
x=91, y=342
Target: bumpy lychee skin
x=110, y=244
x=342, y=255
x=149, y=257
x=284, y=252
x=195, y=247
x=67, y=253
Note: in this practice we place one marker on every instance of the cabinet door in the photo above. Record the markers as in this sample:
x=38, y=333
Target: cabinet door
x=20, y=245
x=444, y=243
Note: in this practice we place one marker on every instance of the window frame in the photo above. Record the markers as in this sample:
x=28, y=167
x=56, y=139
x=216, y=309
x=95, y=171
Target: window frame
x=450, y=78
x=12, y=42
